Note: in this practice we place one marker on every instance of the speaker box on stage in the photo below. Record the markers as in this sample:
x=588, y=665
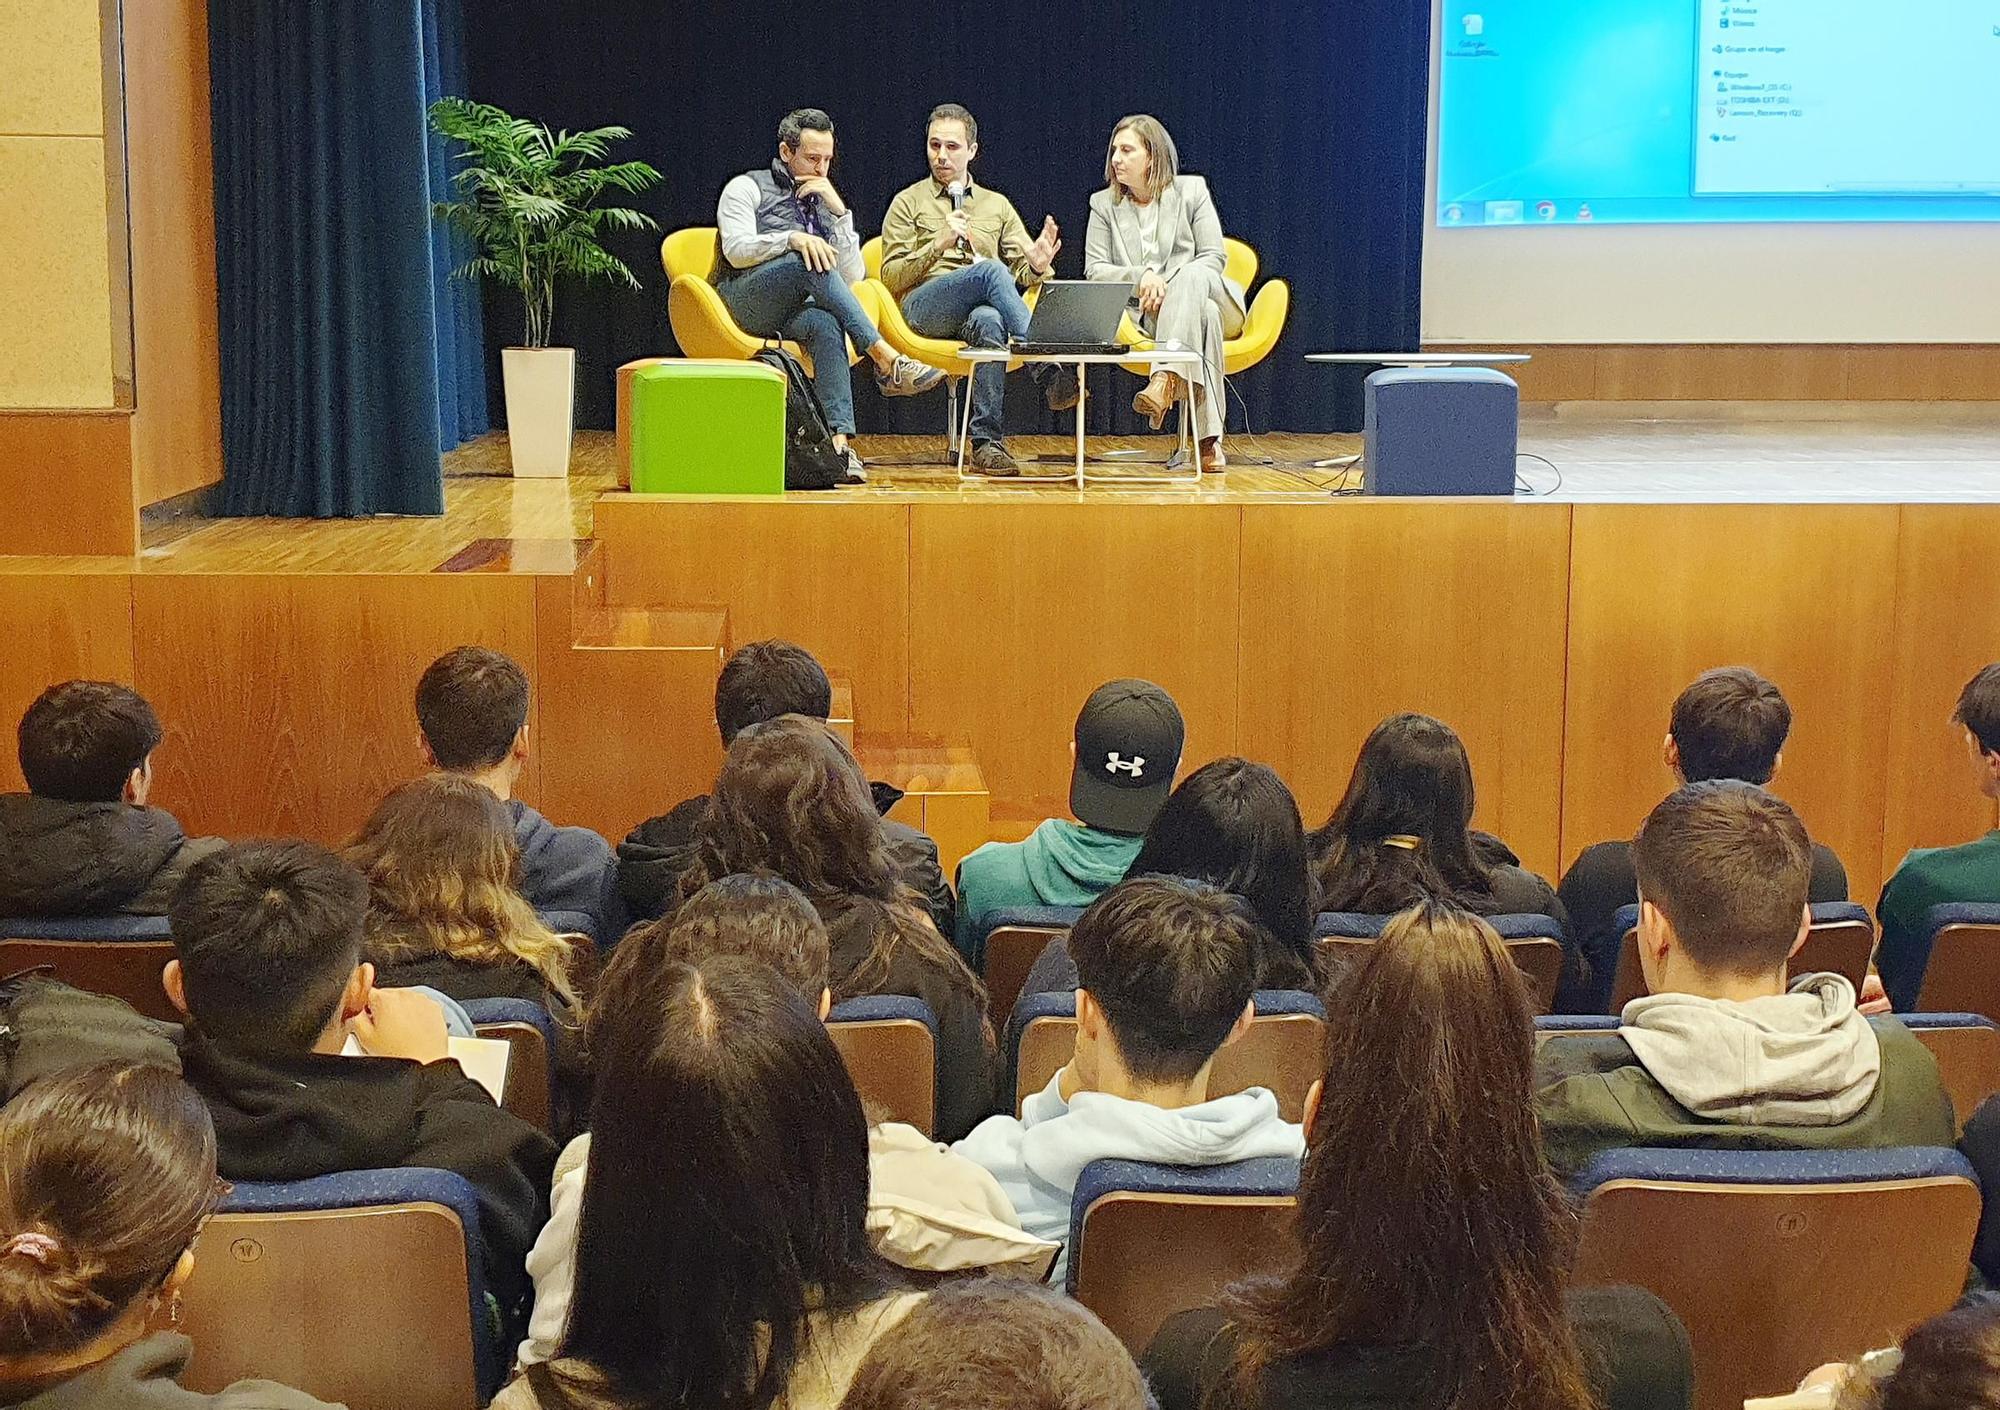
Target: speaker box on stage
x=1440, y=431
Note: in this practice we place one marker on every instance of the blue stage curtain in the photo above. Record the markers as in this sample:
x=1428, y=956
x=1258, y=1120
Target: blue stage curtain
x=460, y=345
x=1307, y=119
x=327, y=274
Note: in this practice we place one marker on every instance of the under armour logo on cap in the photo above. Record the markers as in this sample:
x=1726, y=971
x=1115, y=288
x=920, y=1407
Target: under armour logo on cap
x=1135, y=767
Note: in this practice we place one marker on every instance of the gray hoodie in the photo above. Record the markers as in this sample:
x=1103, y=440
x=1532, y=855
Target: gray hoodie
x=146, y=1376
x=1803, y=1058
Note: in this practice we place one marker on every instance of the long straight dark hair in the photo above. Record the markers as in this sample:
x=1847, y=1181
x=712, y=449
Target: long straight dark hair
x=727, y=1195
x=1440, y=1227
x=1235, y=825
x=791, y=801
x=1411, y=783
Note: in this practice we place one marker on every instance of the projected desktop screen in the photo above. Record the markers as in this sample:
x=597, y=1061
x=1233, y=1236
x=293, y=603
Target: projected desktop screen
x=1579, y=112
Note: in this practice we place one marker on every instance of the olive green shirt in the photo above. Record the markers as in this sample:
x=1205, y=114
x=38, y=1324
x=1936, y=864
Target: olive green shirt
x=917, y=215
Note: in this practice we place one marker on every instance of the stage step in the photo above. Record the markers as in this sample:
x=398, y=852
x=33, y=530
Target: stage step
x=944, y=792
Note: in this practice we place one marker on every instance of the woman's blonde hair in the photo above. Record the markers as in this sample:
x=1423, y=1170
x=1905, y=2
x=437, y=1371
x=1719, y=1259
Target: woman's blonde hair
x=444, y=876
x=1164, y=160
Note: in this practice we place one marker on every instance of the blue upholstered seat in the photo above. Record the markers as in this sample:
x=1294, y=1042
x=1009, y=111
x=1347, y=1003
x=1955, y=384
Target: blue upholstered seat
x=84, y=928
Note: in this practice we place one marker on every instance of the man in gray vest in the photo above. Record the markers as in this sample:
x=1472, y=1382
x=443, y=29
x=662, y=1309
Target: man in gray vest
x=789, y=253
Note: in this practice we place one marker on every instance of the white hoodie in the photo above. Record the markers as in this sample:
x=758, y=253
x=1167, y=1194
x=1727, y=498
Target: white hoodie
x=1038, y=1157
x=1803, y=1058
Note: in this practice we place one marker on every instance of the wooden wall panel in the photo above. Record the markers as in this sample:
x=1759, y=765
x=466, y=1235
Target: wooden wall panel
x=832, y=577
x=59, y=627
x=177, y=429
x=1356, y=612
x=1947, y=627
x=57, y=292
x=1758, y=372
x=1802, y=593
x=1003, y=657
x=66, y=483
x=287, y=699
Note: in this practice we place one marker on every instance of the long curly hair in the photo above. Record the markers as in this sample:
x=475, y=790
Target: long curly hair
x=792, y=802
x=444, y=878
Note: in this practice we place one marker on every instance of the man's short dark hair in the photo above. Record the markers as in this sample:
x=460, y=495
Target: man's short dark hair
x=800, y=121
x=1171, y=963
x=267, y=934
x=1729, y=866
x=954, y=112
x=767, y=679
x=81, y=740
x=1978, y=708
x=1730, y=723
x=471, y=703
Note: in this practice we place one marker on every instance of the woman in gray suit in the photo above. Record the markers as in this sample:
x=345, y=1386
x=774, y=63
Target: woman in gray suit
x=1157, y=230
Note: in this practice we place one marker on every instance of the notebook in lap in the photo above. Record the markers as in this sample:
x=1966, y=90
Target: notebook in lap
x=1077, y=317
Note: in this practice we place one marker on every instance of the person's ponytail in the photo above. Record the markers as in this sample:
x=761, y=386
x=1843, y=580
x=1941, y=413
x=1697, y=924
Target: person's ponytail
x=106, y=1174
x=48, y=1294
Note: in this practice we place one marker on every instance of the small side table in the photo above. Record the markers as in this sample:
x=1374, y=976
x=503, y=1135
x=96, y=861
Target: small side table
x=1166, y=357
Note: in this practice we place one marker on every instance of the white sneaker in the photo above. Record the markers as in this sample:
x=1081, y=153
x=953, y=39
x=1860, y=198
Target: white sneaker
x=906, y=377
x=857, y=473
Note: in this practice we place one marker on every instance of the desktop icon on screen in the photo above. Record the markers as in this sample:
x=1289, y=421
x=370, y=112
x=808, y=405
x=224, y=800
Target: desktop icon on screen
x=1503, y=213
x=1475, y=25
x=1545, y=210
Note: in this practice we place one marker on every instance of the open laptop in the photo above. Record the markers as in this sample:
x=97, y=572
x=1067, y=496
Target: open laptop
x=1075, y=316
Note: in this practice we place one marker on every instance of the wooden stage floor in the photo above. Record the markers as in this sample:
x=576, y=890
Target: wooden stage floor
x=1879, y=456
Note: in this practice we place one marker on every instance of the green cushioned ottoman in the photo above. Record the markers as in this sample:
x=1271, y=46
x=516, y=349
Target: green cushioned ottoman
x=708, y=426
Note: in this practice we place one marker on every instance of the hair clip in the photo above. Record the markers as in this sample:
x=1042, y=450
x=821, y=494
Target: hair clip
x=1404, y=840
x=36, y=1246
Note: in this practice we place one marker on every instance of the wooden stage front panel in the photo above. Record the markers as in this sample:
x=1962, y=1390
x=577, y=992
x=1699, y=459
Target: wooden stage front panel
x=1552, y=637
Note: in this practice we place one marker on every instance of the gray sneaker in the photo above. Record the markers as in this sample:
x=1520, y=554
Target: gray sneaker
x=857, y=473
x=907, y=377
x=992, y=459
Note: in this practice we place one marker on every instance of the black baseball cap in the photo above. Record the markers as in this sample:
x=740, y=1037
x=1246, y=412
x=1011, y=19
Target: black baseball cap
x=1128, y=744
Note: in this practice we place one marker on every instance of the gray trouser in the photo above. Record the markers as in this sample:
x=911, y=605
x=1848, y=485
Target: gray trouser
x=1199, y=313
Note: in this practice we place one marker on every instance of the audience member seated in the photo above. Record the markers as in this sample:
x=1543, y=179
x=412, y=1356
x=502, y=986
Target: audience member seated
x=998, y=1344
x=82, y=840
x=791, y=802
x=723, y=1255
x=472, y=717
x=1979, y=1142
x=1731, y=723
x=1126, y=749
x=1433, y=1244
x=758, y=683
x=107, y=1174
x=1722, y=1052
x=1165, y=973
x=1236, y=826
x=1402, y=833
x=1950, y=1362
x=270, y=975
x=444, y=904
x=927, y=1208
x=1933, y=876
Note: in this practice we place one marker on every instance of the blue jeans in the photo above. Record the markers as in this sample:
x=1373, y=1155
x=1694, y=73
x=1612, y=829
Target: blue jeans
x=781, y=298
x=978, y=305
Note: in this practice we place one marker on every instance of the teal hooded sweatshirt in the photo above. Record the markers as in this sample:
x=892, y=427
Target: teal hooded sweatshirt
x=1061, y=863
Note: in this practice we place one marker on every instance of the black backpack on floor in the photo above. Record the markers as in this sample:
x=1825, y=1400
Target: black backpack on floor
x=811, y=462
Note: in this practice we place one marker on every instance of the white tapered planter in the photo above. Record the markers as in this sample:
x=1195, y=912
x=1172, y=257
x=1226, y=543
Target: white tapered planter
x=541, y=409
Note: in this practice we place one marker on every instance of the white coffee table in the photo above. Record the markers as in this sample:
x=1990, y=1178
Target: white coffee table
x=1186, y=358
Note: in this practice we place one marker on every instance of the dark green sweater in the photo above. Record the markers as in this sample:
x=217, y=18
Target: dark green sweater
x=1929, y=876
x=1596, y=1096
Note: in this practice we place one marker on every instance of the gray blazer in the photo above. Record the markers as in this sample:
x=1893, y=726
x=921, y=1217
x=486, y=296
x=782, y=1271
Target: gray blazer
x=1112, y=243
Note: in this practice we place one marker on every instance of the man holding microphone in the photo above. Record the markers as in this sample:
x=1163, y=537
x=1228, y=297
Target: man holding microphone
x=956, y=256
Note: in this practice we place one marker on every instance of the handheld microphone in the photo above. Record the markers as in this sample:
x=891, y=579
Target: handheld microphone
x=957, y=193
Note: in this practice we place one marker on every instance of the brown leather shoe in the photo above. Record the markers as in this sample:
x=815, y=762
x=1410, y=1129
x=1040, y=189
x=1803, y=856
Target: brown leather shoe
x=1213, y=461
x=1157, y=397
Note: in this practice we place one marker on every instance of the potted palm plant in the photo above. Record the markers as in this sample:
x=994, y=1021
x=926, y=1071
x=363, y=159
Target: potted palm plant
x=528, y=198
